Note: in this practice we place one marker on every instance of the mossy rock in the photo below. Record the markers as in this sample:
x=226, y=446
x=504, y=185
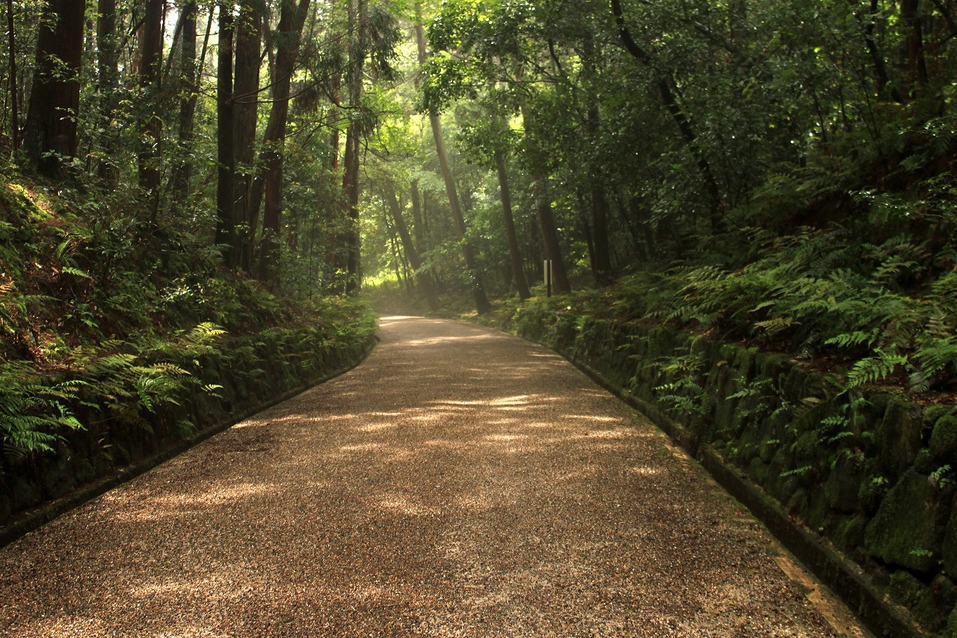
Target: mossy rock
x=799, y=502
x=906, y=530
x=949, y=550
x=928, y=604
x=873, y=490
x=899, y=436
x=743, y=363
x=807, y=447
x=758, y=471
x=795, y=384
x=849, y=533
x=818, y=514
x=57, y=476
x=943, y=441
x=843, y=485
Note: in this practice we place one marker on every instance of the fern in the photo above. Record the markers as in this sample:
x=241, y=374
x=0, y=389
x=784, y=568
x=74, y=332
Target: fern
x=877, y=367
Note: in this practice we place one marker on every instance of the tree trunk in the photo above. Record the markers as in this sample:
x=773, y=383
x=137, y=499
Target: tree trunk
x=188, y=91
x=291, y=21
x=482, y=304
x=664, y=86
x=884, y=87
x=50, y=136
x=543, y=207
x=246, y=108
x=12, y=53
x=107, y=78
x=225, y=228
x=350, y=180
x=515, y=256
x=408, y=246
x=915, y=62
x=151, y=62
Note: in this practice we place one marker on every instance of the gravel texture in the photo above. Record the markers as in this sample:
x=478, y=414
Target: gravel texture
x=459, y=483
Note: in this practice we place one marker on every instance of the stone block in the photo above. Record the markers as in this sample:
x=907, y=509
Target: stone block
x=943, y=441
x=906, y=531
x=899, y=436
x=843, y=485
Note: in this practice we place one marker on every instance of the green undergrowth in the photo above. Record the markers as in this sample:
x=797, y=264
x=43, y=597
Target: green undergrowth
x=120, y=336
x=872, y=313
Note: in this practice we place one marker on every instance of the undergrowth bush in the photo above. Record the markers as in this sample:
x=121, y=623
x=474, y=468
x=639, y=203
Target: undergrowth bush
x=106, y=318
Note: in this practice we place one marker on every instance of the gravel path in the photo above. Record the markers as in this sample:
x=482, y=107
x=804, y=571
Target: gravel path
x=459, y=483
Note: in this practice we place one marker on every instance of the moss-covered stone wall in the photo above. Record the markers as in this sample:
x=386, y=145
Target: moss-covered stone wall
x=871, y=475
x=121, y=438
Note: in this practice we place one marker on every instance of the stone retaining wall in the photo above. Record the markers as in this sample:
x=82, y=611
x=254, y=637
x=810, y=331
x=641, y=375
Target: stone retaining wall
x=122, y=439
x=871, y=478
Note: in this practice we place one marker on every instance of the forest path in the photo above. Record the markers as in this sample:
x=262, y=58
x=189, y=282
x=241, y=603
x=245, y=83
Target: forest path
x=460, y=482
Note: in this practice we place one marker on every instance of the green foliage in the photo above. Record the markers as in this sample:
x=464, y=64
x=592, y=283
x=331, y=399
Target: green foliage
x=34, y=411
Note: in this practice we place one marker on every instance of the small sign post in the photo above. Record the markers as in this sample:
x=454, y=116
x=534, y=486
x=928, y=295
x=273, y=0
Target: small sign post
x=548, y=277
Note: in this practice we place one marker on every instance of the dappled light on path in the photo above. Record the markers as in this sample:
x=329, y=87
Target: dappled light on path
x=460, y=483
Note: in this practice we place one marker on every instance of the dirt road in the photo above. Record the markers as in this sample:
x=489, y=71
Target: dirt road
x=459, y=483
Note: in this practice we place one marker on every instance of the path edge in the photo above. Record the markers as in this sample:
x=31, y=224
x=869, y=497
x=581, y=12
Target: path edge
x=36, y=518
x=883, y=617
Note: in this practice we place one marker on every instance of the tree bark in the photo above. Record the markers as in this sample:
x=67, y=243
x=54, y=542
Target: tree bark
x=350, y=179
x=664, y=86
x=151, y=62
x=12, y=53
x=514, y=254
x=601, y=256
x=291, y=20
x=225, y=155
x=543, y=207
x=408, y=246
x=188, y=91
x=246, y=109
x=50, y=135
x=482, y=304
x=915, y=62
x=884, y=87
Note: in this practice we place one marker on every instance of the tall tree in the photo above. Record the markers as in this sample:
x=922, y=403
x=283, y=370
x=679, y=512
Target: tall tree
x=514, y=254
x=408, y=246
x=482, y=304
x=14, y=97
x=245, y=111
x=151, y=61
x=601, y=254
x=225, y=152
x=50, y=135
x=665, y=87
x=351, y=161
x=107, y=80
x=534, y=137
x=292, y=17
x=188, y=92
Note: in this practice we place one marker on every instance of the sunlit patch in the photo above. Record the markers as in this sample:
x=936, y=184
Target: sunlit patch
x=593, y=418
x=644, y=470
x=376, y=427
x=172, y=505
x=521, y=399
x=431, y=341
x=610, y=434
x=361, y=447
x=401, y=505
x=506, y=438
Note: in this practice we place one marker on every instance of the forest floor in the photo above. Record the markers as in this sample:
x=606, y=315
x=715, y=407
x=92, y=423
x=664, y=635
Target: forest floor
x=461, y=482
